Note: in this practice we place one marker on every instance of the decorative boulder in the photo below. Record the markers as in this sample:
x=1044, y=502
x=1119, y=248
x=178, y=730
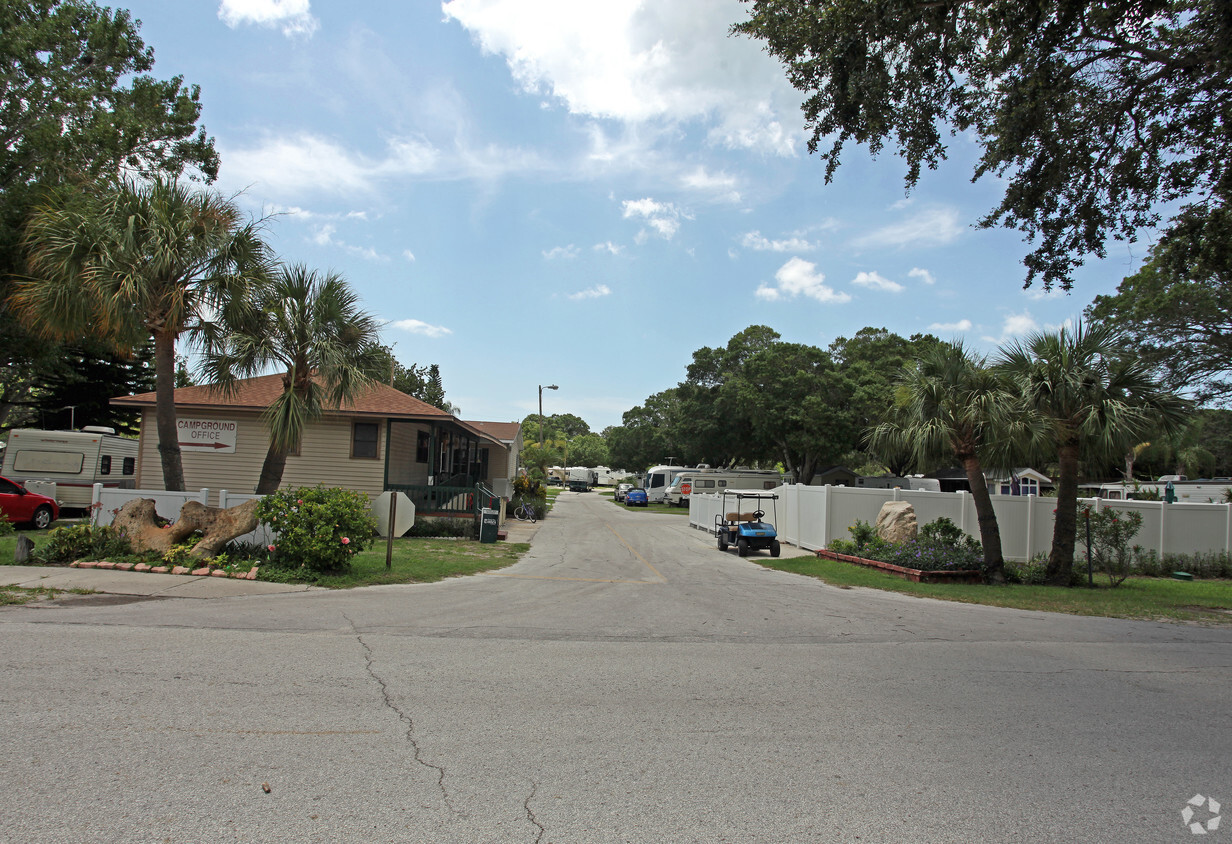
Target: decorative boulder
x=141, y=524
x=896, y=522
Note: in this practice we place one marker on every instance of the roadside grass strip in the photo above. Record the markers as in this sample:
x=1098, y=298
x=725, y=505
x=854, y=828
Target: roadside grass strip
x=1141, y=598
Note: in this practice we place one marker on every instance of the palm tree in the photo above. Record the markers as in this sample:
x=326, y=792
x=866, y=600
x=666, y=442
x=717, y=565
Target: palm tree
x=311, y=327
x=129, y=260
x=1093, y=402
x=949, y=405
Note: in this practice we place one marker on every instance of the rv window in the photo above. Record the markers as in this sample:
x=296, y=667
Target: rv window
x=130, y=465
x=37, y=462
x=722, y=483
x=364, y=439
x=656, y=481
x=104, y=465
x=706, y=484
x=768, y=485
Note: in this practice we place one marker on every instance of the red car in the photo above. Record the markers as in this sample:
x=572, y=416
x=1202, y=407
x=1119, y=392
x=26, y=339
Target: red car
x=21, y=506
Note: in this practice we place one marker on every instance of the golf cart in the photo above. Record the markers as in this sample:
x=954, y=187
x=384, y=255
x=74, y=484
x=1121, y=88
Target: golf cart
x=740, y=523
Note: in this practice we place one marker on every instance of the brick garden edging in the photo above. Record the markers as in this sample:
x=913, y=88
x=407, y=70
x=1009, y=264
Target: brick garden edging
x=204, y=571
x=916, y=575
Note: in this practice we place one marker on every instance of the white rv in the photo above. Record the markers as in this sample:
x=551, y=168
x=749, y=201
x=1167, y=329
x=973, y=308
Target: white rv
x=718, y=480
x=72, y=460
x=658, y=478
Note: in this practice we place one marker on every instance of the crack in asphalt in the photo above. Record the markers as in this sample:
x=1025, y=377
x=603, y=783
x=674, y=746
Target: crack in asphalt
x=402, y=716
x=530, y=813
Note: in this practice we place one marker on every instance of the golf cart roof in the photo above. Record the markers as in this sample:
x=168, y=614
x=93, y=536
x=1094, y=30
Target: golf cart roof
x=750, y=494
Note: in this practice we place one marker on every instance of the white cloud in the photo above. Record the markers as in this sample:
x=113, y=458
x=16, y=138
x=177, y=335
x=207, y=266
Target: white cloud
x=566, y=252
x=930, y=227
x=642, y=61
x=408, y=254
x=951, y=327
x=324, y=236
x=720, y=184
x=1014, y=327
x=608, y=247
x=293, y=17
x=923, y=275
x=754, y=240
x=305, y=163
x=596, y=292
x=800, y=278
x=876, y=281
x=415, y=326
x=663, y=217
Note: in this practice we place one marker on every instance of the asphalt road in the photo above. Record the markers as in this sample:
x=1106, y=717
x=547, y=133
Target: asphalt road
x=624, y=682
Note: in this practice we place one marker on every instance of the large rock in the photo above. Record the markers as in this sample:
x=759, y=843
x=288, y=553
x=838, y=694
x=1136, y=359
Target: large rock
x=141, y=524
x=896, y=522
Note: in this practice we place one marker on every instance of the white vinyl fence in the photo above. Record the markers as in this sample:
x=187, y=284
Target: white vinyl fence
x=811, y=517
x=106, y=502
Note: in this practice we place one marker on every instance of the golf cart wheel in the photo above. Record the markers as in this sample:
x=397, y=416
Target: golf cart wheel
x=722, y=542
x=42, y=518
x=742, y=547
x=774, y=548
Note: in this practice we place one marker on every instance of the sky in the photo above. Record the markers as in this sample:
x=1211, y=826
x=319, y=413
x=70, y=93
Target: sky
x=535, y=192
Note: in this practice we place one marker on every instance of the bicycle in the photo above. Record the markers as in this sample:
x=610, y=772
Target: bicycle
x=524, y=512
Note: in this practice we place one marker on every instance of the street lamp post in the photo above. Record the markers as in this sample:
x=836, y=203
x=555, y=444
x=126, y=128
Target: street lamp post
x=541, y=389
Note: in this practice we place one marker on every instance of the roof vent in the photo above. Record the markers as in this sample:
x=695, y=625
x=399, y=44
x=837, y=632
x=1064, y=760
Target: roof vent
x=97, y=429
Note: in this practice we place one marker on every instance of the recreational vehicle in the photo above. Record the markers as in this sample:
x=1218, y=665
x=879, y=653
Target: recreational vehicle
x=658, y=478
x=72, y=460
x=719, y=480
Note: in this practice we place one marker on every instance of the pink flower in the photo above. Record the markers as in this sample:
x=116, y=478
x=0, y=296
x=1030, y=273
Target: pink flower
x=346, y=541
x=299, y=501
x=271, y=547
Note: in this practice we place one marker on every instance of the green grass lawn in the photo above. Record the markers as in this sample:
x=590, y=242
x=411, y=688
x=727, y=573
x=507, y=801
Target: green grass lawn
x=415, y=560
x=1207, y=601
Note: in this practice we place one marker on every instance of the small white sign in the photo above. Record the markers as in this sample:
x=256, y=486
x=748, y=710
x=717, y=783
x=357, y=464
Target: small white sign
x=213, y=435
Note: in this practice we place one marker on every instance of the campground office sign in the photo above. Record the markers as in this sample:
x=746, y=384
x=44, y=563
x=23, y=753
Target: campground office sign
x=212, y=435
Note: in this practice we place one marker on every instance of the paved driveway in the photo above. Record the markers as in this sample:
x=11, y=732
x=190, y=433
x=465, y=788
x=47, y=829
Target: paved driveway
x=625, y=682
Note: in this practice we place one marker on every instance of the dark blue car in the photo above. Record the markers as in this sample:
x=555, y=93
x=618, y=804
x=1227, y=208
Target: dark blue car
x=636, y=498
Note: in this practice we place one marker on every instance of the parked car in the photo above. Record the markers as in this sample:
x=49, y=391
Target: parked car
x=24, y=507
x=636, y=498
x=621, y=491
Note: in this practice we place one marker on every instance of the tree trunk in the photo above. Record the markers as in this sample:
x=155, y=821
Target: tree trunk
x=139, y=521
x=164, y=411
x=271, y=471
x=990, y=532
x=1065, y=528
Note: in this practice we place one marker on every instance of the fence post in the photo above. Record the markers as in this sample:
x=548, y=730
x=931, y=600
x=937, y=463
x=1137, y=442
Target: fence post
x=222, y=499
x=799, y=525
x=1227, y=538
x=825, y=523
x=1030, y=525
x=96, y=499
x=204, y=496
x=1163, y=526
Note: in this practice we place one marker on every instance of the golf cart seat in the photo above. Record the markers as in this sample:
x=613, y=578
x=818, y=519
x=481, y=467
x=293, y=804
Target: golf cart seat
x=741, y=517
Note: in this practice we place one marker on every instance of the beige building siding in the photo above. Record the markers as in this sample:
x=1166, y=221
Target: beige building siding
x=404, y=468
x=325, y=457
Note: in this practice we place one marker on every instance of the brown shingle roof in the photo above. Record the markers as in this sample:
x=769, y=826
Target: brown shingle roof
x=504, y=431
x=258, y=393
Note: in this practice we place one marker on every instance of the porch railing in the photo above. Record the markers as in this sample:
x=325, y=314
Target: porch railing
x=450, y=501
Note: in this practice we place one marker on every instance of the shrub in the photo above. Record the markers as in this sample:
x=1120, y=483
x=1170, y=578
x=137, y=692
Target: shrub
x=1112, y=531
x=464, y=528
x=862, y=533
x=6, y=527
x=318, y=528
x=945, y=532
x=81, y=542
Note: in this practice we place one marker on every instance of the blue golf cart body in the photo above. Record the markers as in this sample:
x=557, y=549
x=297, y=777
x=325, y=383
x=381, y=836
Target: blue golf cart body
x=742, y=523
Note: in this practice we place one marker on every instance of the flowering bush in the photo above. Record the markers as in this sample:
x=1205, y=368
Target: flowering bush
x=318, y=528
x=1112, y=531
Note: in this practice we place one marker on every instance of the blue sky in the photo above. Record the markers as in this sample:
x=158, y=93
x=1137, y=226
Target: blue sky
x=552, y=192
